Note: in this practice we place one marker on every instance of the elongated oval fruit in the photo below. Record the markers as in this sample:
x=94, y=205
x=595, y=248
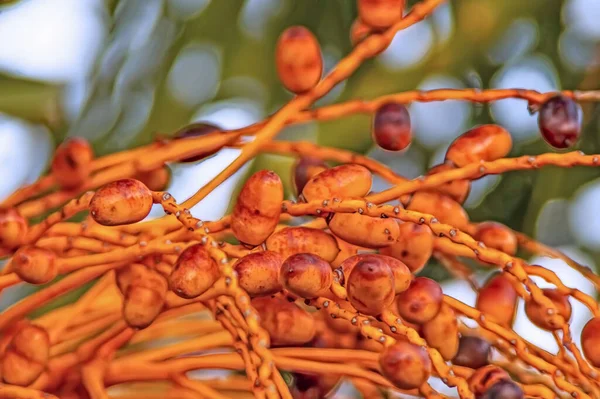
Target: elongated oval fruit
x=144, y=298
x=294, y=240
x=304, y=169
x=391, y=127
x=413, y=246
x=197, y=130
x=13, y=229
x=421, y=302
x=35, y=265
x=365, y=231
x=497, y=299
x=72, y=162
x=258, y=207
x=444, y=208
x=298, y=59
x=497, y=236
x=458, y=190
x=473, y=352
x=26, y=355
x=121, y=202
x=371, y=286
x=539, y=314
x=156, y=179
x=343, y=181
x=286, y=323
x=306, y=275
x=258, y=273
x=441, y=332
x=406, y=365
x=482, y=143
x=194, y=273
x=558, y=120
x=590, y=341
x=402, y=275
x=380, y=14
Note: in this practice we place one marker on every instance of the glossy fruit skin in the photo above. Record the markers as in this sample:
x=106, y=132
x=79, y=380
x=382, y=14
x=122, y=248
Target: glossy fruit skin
x=197, y=130
x=26, y=355
x=441, y=332
x=294, y=240
x=538, y=315
x=558, y=121
x=497, y=236
x=421, y=302
x=306, y=275
x=298, y=59
x=258, y=207
x=13, y=229
x=258, y=273
x=497, y=299
x=371, y=286
x=144, y=298
x=124, y=201
x=485, y=377
x=414, y=246
x=305, y=168
x=194, y=273
x=473, y=352
x=444, y=208
x=503, y=390
x=365, y=231
x=406, y=365
x=482, y=143
x=35, y=265
x=590, y=341
x=380, y=14
x=71, y=165
x=458, y=190
x=155, y=180
x=392, y=128
x=286, y=323
x=343, y=181
x=402, y=275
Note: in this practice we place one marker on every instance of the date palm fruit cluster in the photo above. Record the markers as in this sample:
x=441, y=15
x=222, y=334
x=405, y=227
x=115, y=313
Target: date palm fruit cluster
x=338, y=297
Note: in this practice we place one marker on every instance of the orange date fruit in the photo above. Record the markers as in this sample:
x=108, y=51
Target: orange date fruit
x=482, y=143
x=380, y=14
x=144, y=298
x=306, y=275
x=304, y=169
x=590, y=341
x=26, y=356
x=539, y=316
x=72, y=163
x=371, y=286
x=458, y=190
x=124, y=201
x=497, y=236
x=258, y=273
x=421, y=302
x=298, y=59
x=286, y=323
x=194, y=273
x=441, y=332
x=497, y=299
x=13, y=229
x=406, y=365
x=343, y=181
x=294, y=240
x=35, y=265
x=414, y=246
x=365, y=231
x=444, y=208
x=156, y=180
x=402, y=275
x=258, y=207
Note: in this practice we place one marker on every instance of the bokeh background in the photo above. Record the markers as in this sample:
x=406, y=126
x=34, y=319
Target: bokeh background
x=120, y=72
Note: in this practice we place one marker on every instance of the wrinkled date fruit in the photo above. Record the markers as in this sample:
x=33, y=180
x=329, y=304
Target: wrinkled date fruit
x=343, y=181
x=482, y=143
x=444, y=208
x=197, y=130
x=13, y=229
x=371, y=286
x=194, y=273
x=458, y=190
x=258, y=207
x=124, y=201
x=497, y=299
x=258, y=273
x=380, y=14
x=156, y=180
x=298, y=59
x=26, y=356
x=421, y=302
x=365, y=231
x=144, y=298
x=497, y=236
x=590, y=341
x=306, y=275
x=35, y=265
x=414, y=246
x=406, y=365
x=286, y=323
x=402, y=275
x=71, y=165
x=473, y=352
x=441, y=332
x=558, y=120
x=304, y=169
x=391, y=127
x=294, y=240
x=539, y=316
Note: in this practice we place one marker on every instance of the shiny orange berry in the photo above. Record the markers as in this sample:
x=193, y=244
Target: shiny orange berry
x=380, y=14
x=304, y=169
x=258, y=207
x=482, y=143
x=258, y=273
x=458, y=190
x=306, y=275
x=485, y=377
x=194, y=273
x=414, y=246
x=72, y=162
x=156, y=180
x=343, y=181
x=371, y=286
x=441, y=332
x=294, y=240
x=26, y=356
x=558, y=120
x=363, y=230
x=121, y=202
x=539, y=316
x=144, y=298
x=298, y=59
x=286, y=323
x=497, y=236
x=402, y=275
x=590, y=341
x=391, y=127
x=406, y=365
x=35, y=265
x=421, y=302
x=197, y=130
x=444, y=208
x=497, y=299
x=13, y=229
x=473, y=352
